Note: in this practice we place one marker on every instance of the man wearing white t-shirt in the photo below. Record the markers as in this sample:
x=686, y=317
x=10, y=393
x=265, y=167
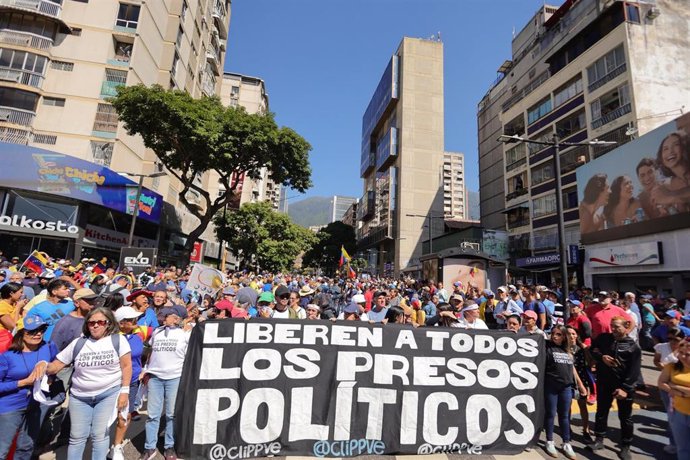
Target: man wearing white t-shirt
x=162, y=375
x=470, y=317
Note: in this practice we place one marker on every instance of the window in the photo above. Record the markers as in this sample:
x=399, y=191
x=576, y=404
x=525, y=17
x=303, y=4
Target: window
x=106, y=119
x=18, y=99
x=183, y=13
x=123, y=51
x=544, y=205
x=23, y=61
x=516, y=156
x=571, y=124
x=180, y=34
x=567, y=91
x=62, y=65
x=102, y=152
x=574, y=158
x=632, y=13
x=570, y=198
x=517, y=183
x=545, y=239
x=128, y=16
x=234, y=91
x=544, y=136
x=598, y=72
x=176, y=59
x=116, y=76
x=54, y=101
x=45, y=139
x=542, y=173
x=539, y=110
x=610, y=106
x=28, y=23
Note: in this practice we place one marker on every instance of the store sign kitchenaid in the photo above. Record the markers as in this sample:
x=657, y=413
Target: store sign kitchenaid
x=28, y=225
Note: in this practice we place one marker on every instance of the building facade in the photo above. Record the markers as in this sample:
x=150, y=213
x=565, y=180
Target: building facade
x=61, y=61
x=339, y=206
x=591, y=69
x=454, y=189
x=402, y=158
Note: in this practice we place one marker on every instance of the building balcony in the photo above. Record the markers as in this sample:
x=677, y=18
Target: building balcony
x=517, y=193
x=612, y=115
x=119, y=61
x=21, y=77
x=38, y=6
x=214, y=59
x=16, y=116
x=220, y=18
x=14, y=135
x=109, y=88
x=25, y=39
x=608, y=77
x=208, y=85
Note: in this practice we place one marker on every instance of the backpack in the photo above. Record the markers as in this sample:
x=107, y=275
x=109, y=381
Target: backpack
x=81, y=341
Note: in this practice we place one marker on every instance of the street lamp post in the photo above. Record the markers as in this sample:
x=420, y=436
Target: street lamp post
x=557, y=144
x=135, y=213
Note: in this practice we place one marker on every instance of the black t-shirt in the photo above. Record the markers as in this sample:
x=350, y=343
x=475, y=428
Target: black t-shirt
x=559, y=366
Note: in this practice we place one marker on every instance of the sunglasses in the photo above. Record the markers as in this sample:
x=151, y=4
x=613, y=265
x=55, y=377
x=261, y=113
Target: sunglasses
x=99, y=322
x=284, y=296
x=39, y=331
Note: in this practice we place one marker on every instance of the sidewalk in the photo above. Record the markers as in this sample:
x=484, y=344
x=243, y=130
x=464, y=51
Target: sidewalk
x=649, y=417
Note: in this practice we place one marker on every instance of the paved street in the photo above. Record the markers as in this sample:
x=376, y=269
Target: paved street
x=649, y=429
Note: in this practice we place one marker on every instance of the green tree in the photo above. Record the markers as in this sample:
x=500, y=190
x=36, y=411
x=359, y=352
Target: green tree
x=263, y=238
x=193, y=136
x=325, y=252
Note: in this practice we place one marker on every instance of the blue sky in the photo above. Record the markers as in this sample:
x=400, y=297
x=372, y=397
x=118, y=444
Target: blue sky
x=322, y=59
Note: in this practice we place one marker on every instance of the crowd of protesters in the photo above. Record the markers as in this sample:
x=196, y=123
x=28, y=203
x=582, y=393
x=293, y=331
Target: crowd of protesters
x=99, y=338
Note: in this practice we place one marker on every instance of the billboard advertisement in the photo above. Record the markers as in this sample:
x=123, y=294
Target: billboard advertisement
x=470, y=272
x=646, y=180
x=29, y=168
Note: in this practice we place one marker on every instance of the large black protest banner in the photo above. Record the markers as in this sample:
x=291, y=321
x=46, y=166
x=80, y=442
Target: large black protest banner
x=287, y=387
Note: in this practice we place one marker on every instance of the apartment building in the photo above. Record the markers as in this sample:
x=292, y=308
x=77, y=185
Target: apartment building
x=60, y=61
x=454, y=190
x=585, y=70
x=402, y=158
x=339, y=206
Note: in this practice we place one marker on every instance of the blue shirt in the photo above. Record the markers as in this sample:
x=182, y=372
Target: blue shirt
x=52, y=313
x=535, y=306
x=137, y=347
x=550, y=306
x=16, y=366
x=430, y=309
x=377, y=316
x=149, y=318
x=661, y=332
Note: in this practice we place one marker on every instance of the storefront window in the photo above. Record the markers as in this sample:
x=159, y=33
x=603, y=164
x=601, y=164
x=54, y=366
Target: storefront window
x=34, y=208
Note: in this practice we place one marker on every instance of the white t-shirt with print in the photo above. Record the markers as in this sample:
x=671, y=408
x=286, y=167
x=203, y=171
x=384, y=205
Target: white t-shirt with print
x=168, y=348
x=96, y=368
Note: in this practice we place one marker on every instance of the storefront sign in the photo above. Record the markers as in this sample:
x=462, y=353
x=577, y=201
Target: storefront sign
x=106, y=238
x=323, y=389
x=29, y=168
x=551, y=258
x=27, y=225
x=573, y=254
x=138, y=259
x=626, y=255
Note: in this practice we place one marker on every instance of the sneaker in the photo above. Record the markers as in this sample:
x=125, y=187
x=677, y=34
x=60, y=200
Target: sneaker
x=625, y=454
x=598, y=444
x=136, y=416
x=118, y=453
x=568, y=451
x=592, y=400
x=551, y=449
x=671, y=450
x=587, y=438
x=170, y=454
x=148, y=454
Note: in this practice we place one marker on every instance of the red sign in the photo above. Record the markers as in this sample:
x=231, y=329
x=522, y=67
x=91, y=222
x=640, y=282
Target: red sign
x=197, y=252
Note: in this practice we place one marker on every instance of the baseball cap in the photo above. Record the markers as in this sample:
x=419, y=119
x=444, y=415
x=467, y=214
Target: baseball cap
x=84, y=293
x=33, y=322
x=456, y=297
x=229, y=291
x=224, y=305
x=488, y=293
x=312, y=306
x=603, y=294
x=358, y=298
x=281, y=290
x=575, y=303
x=501, y=289
x=137, y=293
x=47, y=274
x=673, y=314
x=351, y=308
x=380, y=293
x=174, y=310
x=457, y=283
x=126, y=313
x=266, y=296
x=686, y=318
x=530, y=314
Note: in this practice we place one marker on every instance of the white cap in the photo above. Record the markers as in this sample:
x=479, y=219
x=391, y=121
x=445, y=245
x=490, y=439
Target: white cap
x=126, y=313
x=358, y=298
x=470, y=307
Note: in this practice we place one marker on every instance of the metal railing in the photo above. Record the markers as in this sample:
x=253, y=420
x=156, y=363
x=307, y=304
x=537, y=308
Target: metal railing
x=16, y=116
x=39, y=6
x=614, y=114
x=28, y=40
x=21, y=76
x=14, y=135
x=608, y=77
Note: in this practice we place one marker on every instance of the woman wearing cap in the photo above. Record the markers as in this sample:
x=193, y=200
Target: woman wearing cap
x=126, y=318
x=675, y=380
x=100, y=381
x=559, y=378
x=18, y=410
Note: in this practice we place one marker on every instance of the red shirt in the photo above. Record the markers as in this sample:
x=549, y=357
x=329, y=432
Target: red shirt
x=368, y=296
x=601, y=317
x=578, y=323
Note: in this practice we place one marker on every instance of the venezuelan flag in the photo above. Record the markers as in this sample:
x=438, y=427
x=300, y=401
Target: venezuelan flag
x=36, y=261
x=344, y=257
x=99, y=268
x=350, y=272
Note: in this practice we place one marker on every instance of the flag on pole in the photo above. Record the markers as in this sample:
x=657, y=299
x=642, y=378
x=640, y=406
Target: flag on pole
x=344, y=257
x=99, y=268
x=350, y=272
x=37, y=261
